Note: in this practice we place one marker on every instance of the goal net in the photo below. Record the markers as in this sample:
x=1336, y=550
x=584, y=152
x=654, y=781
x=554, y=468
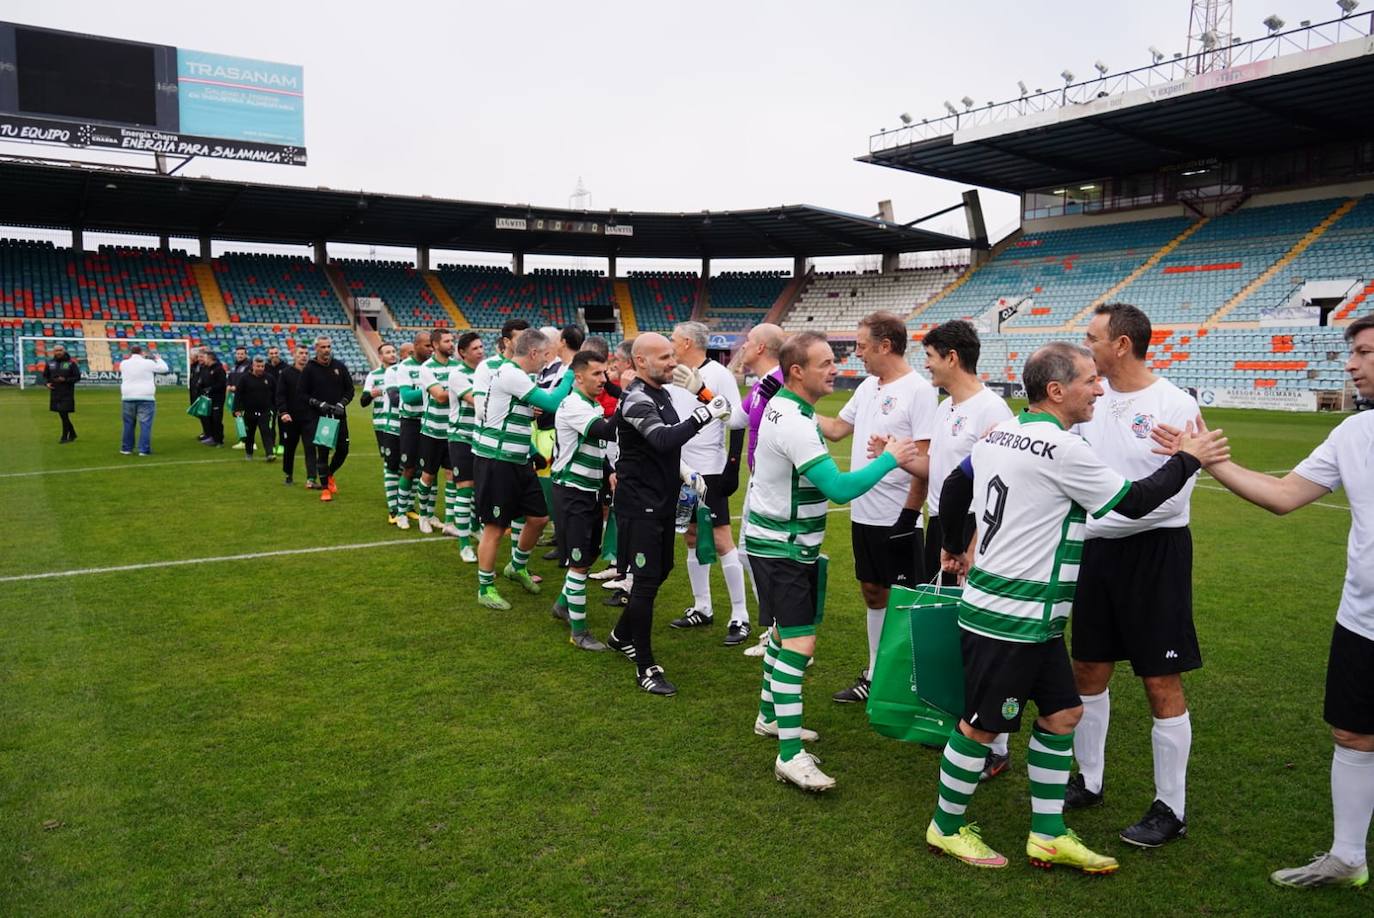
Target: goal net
x=99, y=358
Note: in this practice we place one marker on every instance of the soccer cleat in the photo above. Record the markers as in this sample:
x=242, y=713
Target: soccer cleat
x=402, y=522
x=238, y=445
x=757, y=650
x=802, y=771
x=288, y=480
x=584, y=641
x=1078, y=797
x=280, y=449
x=618, y=598
x=1067, y=850
x=654, y=682
x=737, y=634
x=425, y=526
x=1157, y=827
x=333, y=487
x=412, y=514
x=966, y=845
x=436, y=523
x=390, y=520
x=326, y=495
x=609, y=573
x=559, y=610
x=491, y=599
x=994, y=766
x=692, y=618
x=1325, y=870
x=856, y=693
x=468, y=555
x=450, y=530
x=520, y=576
x=626, y=648
x=270, y=457
x=312, y=485
x=624, y=583
x=770, y=728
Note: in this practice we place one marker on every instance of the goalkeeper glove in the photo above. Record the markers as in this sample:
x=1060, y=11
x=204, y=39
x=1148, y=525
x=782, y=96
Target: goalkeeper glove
x=768, y=387
x=693, y=480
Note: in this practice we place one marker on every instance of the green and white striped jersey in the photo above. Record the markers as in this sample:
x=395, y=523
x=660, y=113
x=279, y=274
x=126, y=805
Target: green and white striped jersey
x=462, y=416
x=1031, y=482
x=577, y=456
x=434, y=422
x=384, y=416
x=408, y=375
x=503, y=425
x=786, y=511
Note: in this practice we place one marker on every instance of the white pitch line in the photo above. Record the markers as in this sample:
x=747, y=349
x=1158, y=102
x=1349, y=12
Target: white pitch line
x=48, y=575
x=133, y=463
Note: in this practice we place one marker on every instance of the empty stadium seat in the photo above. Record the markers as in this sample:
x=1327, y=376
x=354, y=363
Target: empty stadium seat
x=276, y=289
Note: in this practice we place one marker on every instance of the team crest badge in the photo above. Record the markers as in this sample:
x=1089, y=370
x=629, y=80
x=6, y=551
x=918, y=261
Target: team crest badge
x=639, y=559
x=1010, y=708
x=889, y=402
x=496, y=512
x=1141, y=425
x=957, y=427
x=577, y=554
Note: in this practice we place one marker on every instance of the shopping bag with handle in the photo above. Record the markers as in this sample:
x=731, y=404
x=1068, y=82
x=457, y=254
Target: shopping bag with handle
x=200, y=408
x=327, y=432
x=917, y=684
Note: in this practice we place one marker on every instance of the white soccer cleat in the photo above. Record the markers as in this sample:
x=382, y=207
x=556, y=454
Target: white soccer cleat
x=757, y=650
x=425, y=526
x=467, y=554
x=770, y=728
x=606, y=574
x=622, y=584
x=451, y=530
x=402, y=522
x=802, y=771
x=436, y=523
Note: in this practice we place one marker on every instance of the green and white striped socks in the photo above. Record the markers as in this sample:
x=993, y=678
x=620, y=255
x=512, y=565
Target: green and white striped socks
x=770, y=657
x=486, y=580
x=518, y=558
x=450, y=503
x=960, y=767
x=788, y=670
x=575, y=598
x=463, y=511
x=1047, y=765
x=391, y=484
x=404, y=495
x=429, y=494
x=517, y=526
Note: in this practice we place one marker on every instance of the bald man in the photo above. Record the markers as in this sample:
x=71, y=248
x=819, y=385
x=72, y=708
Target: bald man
x=648, y=477
x=760, y=359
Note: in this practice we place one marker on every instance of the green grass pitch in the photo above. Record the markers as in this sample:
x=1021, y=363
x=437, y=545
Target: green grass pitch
x=347, y=731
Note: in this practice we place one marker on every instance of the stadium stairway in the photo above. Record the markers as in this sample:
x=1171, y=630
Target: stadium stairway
x=98, y=356
x=215, y=311
x=1001, y=246
x=437, y=288
x=1298, y=248
x=1354, y=303
x=1139, y=272
x=625, y=303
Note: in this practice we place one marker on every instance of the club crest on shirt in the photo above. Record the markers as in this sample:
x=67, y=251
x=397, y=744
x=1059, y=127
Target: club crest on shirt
x=639, y=559
x=958, y=426
x=1142, y=424
x=888, y=403
x=1010, y=708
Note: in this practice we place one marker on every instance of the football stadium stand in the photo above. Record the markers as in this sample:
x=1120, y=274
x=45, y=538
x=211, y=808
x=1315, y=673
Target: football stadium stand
x=276, y=289
x=662, y=300
x=41, y=281
x=738, y=300
x=836, y=302
x=398, y=284
x=489, y=296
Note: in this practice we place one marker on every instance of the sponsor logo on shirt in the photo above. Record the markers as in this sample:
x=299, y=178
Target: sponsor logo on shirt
x=1013, y=440
x=888, y=403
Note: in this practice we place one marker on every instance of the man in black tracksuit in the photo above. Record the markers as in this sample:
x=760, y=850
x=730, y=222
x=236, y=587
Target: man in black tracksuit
x=648, y=479
x=273, y=369
x=253, y=400
x=327, y=389
x=213, y=384
x=195, y=373
x=291, y=412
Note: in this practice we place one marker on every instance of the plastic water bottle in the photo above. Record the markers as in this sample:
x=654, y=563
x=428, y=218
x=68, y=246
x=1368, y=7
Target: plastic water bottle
x=686, y=508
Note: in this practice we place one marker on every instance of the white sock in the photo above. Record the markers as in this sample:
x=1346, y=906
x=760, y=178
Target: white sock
x=999, y=745
x=1090, y=739
x=748, y=569
x=875, y=634
x=733, y=571
x=1172, y=739
x=1352, y=799
x=700, y=576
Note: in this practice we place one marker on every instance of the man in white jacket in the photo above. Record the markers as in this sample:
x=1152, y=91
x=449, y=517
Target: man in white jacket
x=138, y=389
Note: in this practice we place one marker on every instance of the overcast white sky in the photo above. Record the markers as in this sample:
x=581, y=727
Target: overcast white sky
x=656, y=106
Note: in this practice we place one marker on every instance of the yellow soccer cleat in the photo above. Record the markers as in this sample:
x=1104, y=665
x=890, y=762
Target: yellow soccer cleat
x=1068, y=850
x=965, y=845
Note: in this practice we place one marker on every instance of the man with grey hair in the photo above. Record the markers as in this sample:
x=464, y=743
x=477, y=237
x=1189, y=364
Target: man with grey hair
x=505, y=483
x=697, y=380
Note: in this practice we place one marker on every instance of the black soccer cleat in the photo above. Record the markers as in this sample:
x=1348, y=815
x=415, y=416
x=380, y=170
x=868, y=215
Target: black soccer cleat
x=1157, y=827
x=995, y=765
x=559, y=611
x=855, y=694
x=625, y=647
x=617, y=598
x=654, y=682
x=1078, y=797
x=692, y=618
x=551, y=555
x=738, y=634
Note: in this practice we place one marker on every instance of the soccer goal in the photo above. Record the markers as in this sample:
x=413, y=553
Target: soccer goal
x=99, y=358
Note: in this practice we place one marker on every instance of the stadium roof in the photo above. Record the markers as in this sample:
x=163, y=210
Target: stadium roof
x=1269, y=105
x=144, y=202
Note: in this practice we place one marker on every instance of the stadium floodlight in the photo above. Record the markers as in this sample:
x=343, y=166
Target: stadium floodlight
x=1100, y=67
x=1156, y=54
x=949, y=107
x=1347, y=6
x=1021, y=85
x=1306, y=23
x=1272, y=22
x=968, y=101
x=1209, y=39
x=1178, y=55
x=906, y=117
x=1067, y=75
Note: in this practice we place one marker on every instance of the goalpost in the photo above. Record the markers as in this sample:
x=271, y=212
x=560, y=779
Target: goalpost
x=99, y=357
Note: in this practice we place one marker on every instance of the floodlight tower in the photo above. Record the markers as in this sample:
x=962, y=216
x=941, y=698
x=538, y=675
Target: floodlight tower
x=581, y=198
x=1209, y=36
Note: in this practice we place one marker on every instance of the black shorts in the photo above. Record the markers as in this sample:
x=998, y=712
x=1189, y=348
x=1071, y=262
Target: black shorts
x=1001, y=676
x=410, y=442
x=506, y=491
x=717, y=501
x=787, y=594
x=644, y=548
x=460, y=459
x=1135, y=602
x=1350, y=682
x=934, y=539
x=579, y=525
x=389, y=446
x=434, y=455
x=886, y=559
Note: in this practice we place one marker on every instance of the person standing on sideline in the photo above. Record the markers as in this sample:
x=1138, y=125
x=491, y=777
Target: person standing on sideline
x=386, y=428
x=1032, y=483
x=972, y=409
x=326, y=389
x=1343, y=460
x=195, y=375
x=885, y=522
x=761, y=348
x=240, y=369
x=1135, y=582
x=213, y=385
x=60, y=375
x=291, y=409
x=138, y=392
x=795, y=476
x=253, y=400
x=274, y=367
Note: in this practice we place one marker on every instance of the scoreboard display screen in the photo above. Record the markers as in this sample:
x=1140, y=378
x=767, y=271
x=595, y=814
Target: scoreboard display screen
x=91, y=91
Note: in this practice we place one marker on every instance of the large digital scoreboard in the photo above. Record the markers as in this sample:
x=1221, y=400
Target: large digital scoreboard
x=106, y=93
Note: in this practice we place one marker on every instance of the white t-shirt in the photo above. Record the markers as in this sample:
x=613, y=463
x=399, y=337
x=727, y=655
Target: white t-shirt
x=957, y=428
x=904, y=407
x=1120, y=435
x=1346, y=460
x=705, y=452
